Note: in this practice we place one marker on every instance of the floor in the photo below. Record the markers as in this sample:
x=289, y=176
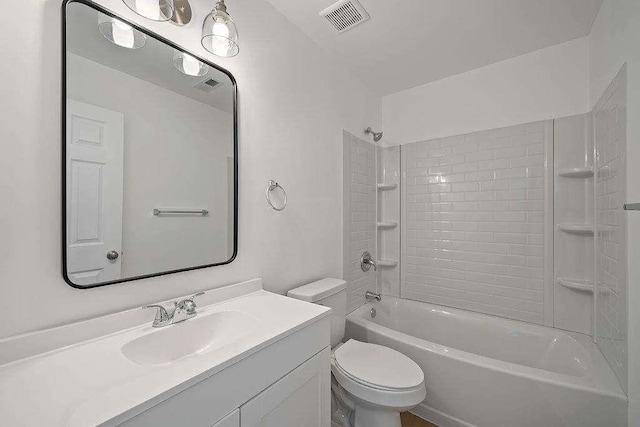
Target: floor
x=410, y=420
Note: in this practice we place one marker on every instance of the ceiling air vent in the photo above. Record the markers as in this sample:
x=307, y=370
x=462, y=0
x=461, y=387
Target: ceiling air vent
x=345, y=14
x=207, y=86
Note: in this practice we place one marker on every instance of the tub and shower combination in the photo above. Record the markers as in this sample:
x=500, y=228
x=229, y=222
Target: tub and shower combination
x=487, y=371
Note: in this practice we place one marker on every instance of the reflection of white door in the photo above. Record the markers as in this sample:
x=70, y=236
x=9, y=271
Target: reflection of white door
x=94, y=193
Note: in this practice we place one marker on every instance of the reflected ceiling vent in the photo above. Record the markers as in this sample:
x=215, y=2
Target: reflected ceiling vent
x=208, y=85
x=345, y=14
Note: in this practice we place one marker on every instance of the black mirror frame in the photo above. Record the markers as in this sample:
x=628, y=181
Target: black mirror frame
x=64, y=145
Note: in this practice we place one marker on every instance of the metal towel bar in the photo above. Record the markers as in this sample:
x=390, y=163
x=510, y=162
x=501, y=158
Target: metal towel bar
x=203, y=212
x=632, y=206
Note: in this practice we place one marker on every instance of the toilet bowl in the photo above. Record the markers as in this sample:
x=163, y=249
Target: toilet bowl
x=371, y=384
x=376, y=383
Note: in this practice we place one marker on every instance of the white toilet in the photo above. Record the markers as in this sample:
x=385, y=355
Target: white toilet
x=371, y=383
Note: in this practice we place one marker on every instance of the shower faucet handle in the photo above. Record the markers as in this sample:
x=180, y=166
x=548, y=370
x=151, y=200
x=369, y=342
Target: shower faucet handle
x=366, y=262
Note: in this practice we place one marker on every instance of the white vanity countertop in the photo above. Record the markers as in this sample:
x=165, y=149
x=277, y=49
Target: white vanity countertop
x=91, y=382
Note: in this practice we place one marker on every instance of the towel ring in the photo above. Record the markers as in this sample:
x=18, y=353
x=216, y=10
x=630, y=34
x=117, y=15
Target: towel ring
x=277, y=199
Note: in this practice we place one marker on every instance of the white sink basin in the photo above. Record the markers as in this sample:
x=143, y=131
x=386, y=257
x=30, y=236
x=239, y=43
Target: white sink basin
x=200, y=334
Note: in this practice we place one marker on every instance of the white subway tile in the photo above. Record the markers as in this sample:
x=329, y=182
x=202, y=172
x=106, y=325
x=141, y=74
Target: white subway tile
x=465, y=167
x=494, y=164
x=466, y=147
x=495, y=185
x=510, y=153
x=480, y=242
x=478, y=156
x=465, y=186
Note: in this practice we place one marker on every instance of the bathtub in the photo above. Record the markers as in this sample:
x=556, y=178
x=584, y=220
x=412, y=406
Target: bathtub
x=488, y=371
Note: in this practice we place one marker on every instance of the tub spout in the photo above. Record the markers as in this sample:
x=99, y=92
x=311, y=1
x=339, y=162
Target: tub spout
x=372, y=295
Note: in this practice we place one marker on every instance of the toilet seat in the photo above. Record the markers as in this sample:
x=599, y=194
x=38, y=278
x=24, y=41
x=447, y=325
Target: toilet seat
x=378, y=375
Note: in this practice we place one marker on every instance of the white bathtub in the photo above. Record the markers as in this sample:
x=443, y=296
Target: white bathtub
x=491, y=372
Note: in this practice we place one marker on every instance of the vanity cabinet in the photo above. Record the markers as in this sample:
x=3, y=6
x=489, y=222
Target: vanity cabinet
x=300, y=399
x=287, y=383
x=275, y=370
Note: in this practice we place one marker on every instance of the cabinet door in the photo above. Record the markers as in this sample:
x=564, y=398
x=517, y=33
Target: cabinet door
x=300, y=399
x=231, y=420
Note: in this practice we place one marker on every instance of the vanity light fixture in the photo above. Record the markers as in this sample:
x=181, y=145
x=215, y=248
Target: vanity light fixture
x=219, y=32
x=189, y=65
x=156, y=10
x=120, y=33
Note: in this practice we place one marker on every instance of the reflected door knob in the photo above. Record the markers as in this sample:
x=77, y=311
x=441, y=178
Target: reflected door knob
x=112, y=255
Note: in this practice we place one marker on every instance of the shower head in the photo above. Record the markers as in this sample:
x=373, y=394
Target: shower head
x=377, y=136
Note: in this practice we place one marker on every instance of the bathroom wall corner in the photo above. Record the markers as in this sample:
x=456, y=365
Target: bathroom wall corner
x=610, y=119
x=359, y=195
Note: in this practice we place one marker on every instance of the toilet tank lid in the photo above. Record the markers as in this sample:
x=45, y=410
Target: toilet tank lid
x=318, y=290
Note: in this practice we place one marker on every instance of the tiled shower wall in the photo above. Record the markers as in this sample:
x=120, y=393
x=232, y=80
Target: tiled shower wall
x=611, y=244
x=359, y=216
x=475, y=234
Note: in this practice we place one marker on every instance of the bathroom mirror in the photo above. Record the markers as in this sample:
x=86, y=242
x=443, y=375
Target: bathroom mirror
x=149, y=139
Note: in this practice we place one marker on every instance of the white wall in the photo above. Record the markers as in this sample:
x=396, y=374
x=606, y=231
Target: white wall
x=294, y=102
x=544, y=84
x=175, y=155
x=614, y=40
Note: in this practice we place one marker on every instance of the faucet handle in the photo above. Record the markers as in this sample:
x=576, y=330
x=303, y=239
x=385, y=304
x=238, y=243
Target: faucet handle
x=366, y=262
x=189, y=304
x=162, y=317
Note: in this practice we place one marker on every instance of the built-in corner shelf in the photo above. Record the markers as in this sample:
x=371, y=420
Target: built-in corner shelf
x=387, y=224
x=387, y=263
x=579, y=285
x=576, y=172
x=573, y=228
x=386, y=187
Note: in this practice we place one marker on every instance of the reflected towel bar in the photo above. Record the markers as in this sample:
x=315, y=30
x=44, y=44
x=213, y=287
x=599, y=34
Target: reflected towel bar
x=203, y=212
x=632, y=206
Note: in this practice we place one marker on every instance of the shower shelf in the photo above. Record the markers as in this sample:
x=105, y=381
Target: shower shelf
x=581, y=229
x=576, y=172
x=387, y=263
x=385, y=187
x=387, y=224
x=579, y=285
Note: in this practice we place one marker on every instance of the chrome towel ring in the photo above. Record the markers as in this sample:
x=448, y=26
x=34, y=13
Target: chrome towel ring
x=276, y=196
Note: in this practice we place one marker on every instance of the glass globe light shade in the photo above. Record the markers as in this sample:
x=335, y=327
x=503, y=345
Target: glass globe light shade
x=120, y=33
x=219, y=32
x=189, y=65
x=156, y=10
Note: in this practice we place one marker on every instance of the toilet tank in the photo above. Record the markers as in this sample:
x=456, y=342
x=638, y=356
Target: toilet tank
x=331, y=293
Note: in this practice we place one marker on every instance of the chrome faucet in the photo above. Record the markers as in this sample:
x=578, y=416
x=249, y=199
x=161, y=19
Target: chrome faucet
x=372, y=295
x=182, y=310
